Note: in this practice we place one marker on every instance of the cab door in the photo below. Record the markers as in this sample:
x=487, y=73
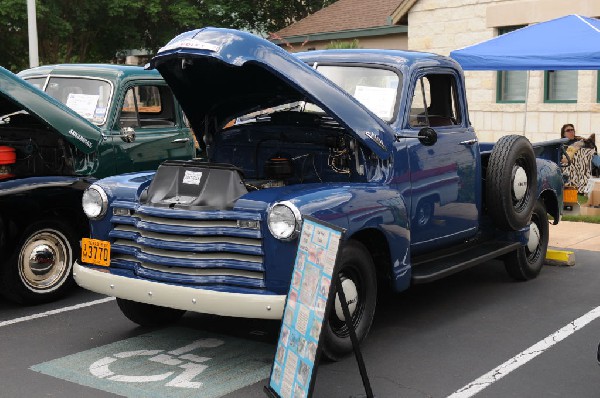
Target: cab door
x=445, y=172
x=149, y=128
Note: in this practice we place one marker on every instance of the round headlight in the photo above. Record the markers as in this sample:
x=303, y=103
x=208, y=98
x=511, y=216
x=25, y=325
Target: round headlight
x=284, y=221
x=94, y=202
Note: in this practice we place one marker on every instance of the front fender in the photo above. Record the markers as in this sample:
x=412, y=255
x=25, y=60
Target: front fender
x=124, y=191
x=25, y=201
x=361, y=210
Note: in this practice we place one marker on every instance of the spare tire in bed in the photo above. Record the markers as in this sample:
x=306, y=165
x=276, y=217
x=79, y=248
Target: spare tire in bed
x=511, y=182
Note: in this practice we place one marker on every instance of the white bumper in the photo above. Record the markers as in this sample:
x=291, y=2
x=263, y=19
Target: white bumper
x=185, y=298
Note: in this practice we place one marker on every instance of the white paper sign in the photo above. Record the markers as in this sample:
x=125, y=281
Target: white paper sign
x=378, y=100
x=84, y=104
x=192, y=177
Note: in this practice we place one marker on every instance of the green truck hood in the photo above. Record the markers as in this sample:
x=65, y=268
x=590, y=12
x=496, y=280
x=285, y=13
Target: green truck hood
x=17, y=92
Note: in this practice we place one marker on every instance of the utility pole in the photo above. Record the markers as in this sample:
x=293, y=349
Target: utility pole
x=32, y=32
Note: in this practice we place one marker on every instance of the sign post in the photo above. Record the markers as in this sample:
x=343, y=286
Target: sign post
x=310, y=298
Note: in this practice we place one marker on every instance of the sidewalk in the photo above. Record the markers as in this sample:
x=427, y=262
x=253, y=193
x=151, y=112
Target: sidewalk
x=575, y=236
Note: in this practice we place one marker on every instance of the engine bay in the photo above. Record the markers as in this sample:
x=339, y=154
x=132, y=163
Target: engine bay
x=289, y=148
x=32, y=149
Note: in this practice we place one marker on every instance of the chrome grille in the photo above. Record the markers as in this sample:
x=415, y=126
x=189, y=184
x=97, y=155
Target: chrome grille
x=201, y=248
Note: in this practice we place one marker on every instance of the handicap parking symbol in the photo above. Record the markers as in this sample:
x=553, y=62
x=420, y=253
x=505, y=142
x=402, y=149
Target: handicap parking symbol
x=173, y=362
x=191, y=364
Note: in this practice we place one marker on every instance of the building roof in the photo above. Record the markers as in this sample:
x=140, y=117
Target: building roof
x=347, y=15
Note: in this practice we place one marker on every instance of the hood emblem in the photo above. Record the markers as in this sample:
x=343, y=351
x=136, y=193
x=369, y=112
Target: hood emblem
x=81, y=138
x=191, y=43
x=376, y=139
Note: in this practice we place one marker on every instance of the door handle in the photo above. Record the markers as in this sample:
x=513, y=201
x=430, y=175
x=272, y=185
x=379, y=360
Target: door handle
x=469, y=142
x=180, y=140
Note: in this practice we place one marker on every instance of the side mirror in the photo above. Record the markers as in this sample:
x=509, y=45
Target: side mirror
x=128, y=134
x=427, y=136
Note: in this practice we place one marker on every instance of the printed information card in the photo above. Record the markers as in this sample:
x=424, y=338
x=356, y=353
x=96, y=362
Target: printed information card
x=304, y=313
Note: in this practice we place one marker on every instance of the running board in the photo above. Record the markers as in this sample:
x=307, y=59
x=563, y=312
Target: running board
x=430, y=270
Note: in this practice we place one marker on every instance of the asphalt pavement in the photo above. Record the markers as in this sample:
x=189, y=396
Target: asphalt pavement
x=535, y=339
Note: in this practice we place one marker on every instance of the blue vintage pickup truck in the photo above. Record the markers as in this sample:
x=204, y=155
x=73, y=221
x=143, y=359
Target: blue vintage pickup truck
x=376, y=142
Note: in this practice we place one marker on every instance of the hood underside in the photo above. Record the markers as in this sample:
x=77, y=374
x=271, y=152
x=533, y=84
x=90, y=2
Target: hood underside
x=220, y=74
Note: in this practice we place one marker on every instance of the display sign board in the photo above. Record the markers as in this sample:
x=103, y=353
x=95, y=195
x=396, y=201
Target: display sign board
x=294, y=368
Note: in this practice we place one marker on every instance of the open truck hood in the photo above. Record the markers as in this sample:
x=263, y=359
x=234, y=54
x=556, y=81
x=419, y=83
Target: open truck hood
x=16, y=94
x=219, y=74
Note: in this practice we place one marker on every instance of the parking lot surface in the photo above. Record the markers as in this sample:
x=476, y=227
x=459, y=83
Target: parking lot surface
x=434, y=340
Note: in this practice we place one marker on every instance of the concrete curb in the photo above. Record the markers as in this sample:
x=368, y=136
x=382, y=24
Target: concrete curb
x=560, y=257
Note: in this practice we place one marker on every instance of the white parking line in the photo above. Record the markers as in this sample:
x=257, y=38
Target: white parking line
x=53, y=312
x=521, y=359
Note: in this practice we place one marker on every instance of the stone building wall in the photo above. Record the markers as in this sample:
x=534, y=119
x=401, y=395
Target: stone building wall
x=441, y=26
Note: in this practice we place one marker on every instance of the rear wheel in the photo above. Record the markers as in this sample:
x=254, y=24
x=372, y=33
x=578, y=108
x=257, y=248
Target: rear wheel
x=147, y=314
x=526, y=262
x=39, y=269
x=359, y=281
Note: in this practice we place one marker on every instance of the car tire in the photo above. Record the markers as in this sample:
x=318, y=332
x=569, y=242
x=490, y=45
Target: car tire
x=526, y=262
x=511, y=182
x=359, y=280
x=147, y=314
x=39, y=270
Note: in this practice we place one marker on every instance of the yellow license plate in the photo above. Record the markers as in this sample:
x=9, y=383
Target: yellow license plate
x=94, y=251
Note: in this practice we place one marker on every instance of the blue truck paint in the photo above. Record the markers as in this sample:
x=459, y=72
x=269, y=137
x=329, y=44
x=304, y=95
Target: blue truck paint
x=406, y=198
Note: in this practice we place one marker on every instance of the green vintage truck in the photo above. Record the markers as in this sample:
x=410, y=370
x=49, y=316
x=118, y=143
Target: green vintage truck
x=61, y=128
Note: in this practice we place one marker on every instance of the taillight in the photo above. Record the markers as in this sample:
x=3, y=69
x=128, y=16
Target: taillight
x=8, y=157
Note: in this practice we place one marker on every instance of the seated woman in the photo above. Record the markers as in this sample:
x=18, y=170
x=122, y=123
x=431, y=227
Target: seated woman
x=583, y=155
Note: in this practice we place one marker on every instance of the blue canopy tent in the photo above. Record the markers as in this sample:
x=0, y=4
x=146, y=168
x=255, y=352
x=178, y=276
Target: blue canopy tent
x=569, y=42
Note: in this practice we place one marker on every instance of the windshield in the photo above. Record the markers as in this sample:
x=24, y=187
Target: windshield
x=376, y=89
x=88, y=97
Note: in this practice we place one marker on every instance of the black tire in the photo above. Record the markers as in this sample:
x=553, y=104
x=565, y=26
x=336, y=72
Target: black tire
x=525, y=263
x=39, y=269
x=148, y=314
x=356, y=268
x=509, y=198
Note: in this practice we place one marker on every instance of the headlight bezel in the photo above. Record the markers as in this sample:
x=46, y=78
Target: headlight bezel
x=295, y=231
x=103, y=198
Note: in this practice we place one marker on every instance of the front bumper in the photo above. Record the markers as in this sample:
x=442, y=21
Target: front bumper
x=181, y=297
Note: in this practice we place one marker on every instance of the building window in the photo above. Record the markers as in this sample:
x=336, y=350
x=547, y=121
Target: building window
x=511, y=85
x=560, y=86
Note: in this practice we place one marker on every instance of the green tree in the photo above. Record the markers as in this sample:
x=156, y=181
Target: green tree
x=95, y=30
x=13, y=34
x=336, y=44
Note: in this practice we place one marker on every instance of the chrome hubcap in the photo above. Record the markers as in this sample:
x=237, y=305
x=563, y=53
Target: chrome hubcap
x=351, y=294
x=44, y=260
x=534, y=237
x=519, y=183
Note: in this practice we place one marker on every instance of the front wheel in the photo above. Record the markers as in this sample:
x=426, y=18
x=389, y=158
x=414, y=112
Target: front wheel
x=148, y=314
x=526, y=262
x=359, y=281
x=39, y=270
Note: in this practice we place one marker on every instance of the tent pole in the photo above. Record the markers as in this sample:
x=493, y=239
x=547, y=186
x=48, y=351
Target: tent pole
x=526, y=101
